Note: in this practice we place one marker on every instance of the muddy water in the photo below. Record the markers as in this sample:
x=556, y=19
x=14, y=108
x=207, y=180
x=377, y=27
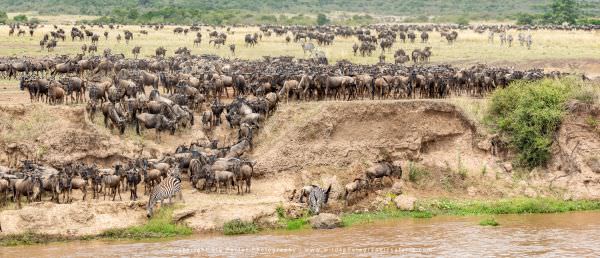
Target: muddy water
x=569, y=234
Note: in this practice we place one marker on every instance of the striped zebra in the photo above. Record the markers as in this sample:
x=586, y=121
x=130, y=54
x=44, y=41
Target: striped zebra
x=167, y=188
x=317, y=198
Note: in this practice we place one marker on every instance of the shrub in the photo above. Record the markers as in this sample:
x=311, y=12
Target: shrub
x=489, y=222
x=238, y=227
x=416, y=173
x=529, y=113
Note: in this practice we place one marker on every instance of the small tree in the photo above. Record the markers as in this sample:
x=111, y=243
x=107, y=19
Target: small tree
x=3, y=17
x=322, y=19
x=563, y=11
x=462, y=20
x=20, y=18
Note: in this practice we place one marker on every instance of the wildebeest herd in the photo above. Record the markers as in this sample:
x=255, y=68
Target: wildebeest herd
x=166, y=93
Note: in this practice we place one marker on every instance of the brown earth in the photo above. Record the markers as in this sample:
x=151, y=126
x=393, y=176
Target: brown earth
x=302, y=143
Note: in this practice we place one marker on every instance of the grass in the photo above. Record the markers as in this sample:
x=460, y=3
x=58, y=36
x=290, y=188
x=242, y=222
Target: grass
x=471, y=47
x=159, y=226
x=437, y=207
x=292, y=223
x=239, y=227
x=489, y=222
x=416, y=173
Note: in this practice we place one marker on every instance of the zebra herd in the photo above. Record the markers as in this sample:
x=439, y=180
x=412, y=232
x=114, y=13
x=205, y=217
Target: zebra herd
x=507, y=39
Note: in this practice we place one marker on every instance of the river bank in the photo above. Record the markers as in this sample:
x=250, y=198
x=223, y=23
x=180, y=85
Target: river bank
x=162, y=226
x=574, y=233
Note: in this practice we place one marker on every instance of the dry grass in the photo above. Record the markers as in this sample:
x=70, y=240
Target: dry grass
x=471, y=47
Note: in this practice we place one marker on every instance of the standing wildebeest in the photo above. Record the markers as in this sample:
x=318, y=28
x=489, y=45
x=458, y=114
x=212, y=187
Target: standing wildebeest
x=56, y=93
x=355, y=186
x=158, y=122
x=381, y=170
x=136, y=51
x=161, y=51
x=30, y=186
x=133, y=179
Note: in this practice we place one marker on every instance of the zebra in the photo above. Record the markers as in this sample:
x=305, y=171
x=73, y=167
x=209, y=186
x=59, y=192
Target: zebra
x=317, y=198
x=167, y=188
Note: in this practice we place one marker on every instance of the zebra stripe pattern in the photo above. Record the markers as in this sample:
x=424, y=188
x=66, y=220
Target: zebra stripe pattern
x=167, y=188
x=317, y=198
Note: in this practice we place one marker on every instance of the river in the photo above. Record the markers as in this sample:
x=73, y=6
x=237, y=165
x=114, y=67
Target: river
x=556, y=235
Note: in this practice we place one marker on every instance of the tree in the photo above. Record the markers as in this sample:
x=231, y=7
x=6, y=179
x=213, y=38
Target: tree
x=462, y=20
x=563, y=11
x=322, y=19
x=20, y=18
x=3, y=17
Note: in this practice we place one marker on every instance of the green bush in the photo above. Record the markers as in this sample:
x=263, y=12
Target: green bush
x=489, y=222
x=238, y=227
x=160, y=225
x=20, y=18
x=529, y=113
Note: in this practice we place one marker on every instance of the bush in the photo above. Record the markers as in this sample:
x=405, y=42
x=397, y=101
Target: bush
x=529, y=113
x=238, y=227
x=322, y=19
x=160, y=225
x=20, y=18
x=489, y=222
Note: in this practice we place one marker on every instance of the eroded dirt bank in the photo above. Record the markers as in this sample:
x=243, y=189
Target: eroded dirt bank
x=321, y=143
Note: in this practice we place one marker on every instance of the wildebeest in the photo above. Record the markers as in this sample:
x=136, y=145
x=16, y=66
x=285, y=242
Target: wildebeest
x=381, y=170
x=158, y=122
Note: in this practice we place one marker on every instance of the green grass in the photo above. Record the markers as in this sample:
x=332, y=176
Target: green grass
x=291, y=223
x=239, y=227
x=437, y=207
x=387, y=214
x=159, y=226
x=416, y=173
x=489, y=222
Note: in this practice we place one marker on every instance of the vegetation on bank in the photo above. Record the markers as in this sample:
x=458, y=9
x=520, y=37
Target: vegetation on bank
x=436, y=207
x=159, y=226
x=528, y=113
x=489, y=222
x=239, y=227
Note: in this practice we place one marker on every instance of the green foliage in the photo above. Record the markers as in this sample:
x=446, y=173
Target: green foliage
x=386, y=214
x=3, y=17
x=416, y=173
x=528, y=19
x=238, y=227
x=213, y=10
x=489, y=222
x=558, y=12
x=20, y=18
x=529, y=113
x=159, y=226
x=507, y=206
x=462, y=20
x=563, y=11
x=322, y=19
